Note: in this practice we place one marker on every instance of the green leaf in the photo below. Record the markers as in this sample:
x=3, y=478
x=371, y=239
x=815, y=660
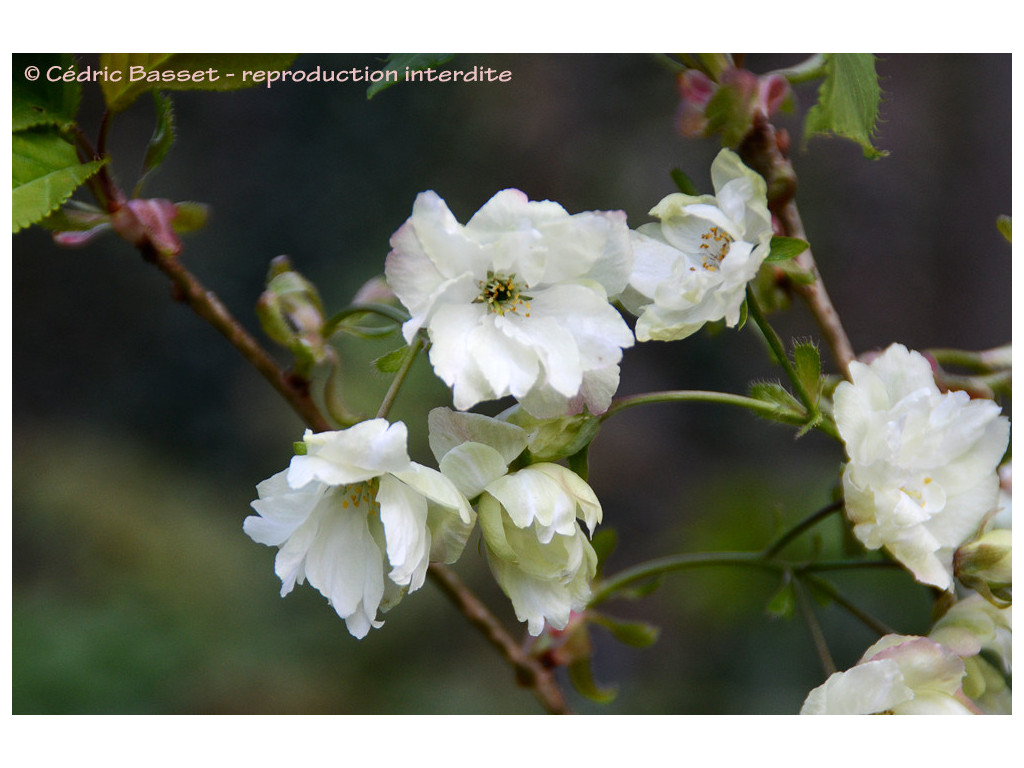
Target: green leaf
x=1005, y=227
x=141, y=72
x=785, y=248
x=727, y=113
x=582, y=678
x=772, y=392
x=807, y=362
x=40, y=101
x=191, y=216
x=604, y=543
x=684, y=183
x=46, y=172
x=638, y=634
x=392, y=361
x=407, y=62
x=161, y=140
x=847, y=101
x=783, y=602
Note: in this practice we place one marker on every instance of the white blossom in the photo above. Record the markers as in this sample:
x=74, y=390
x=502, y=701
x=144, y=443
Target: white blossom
x=359, y=520
x=921, y=475
x=529, y=517
x=898, y=675
x=516, y=302
x=693, y=266
x=973, y=625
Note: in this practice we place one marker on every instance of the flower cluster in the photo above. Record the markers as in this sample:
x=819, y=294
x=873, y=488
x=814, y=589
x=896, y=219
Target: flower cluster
x=517, y=302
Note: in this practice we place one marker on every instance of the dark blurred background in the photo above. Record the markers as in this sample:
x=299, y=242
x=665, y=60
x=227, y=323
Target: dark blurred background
x=139, y=434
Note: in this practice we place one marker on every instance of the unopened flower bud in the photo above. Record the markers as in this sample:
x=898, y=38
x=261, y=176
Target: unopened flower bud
x=985, y=565
x=291, y=313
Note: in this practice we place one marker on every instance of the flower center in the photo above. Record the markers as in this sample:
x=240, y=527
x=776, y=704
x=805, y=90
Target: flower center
x=360, y=494
x=501, y=293
x=714, y=248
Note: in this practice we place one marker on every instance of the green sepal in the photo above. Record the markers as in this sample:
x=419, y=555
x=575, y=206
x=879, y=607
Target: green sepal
x=413, y=62
x=1005, y=226
x=392, y=361
x=161, y=140
x=807, y=363
x=229, y=69
x=638, y=634
x=848, y=101
x=684, y=183
x=744, y=314
x=785, y=248
x=75, y=216
x=40, y=101
x=783, y=602
x=728, y=114
x=604, y=542
x=641, y=589
x=582, y=678
x=773, y=392
x=190, y=217
x=299, y=448
x=46, y=172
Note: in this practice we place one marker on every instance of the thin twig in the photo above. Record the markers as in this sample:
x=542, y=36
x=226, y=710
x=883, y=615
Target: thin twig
x=206, y=304
x=817, y=636
x=814, y=293
x=529, y=671
x=777, y=546
x=866, y=618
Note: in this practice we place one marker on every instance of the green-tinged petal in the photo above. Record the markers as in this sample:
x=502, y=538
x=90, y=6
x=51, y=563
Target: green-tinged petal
x=449, y=429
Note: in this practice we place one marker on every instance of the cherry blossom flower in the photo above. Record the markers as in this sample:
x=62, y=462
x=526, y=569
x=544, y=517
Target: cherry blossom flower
x=921, y=475
x=898, y=675
x=537, y=551
x=693, y=266
x=516, y=302
x=359, y=520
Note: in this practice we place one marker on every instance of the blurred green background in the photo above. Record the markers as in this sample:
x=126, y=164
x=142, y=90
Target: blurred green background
x=139, y=434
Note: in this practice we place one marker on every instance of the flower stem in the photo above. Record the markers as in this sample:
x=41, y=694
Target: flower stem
x=779, y=544
x=866, y=618
x=529, y=671
x=606, y=588
x=817, y=636
x=779, y=351
x=692, y=395
x=403, y=371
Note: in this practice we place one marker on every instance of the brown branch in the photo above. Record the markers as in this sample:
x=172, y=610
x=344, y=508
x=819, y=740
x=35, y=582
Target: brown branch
x=815, y=295
x=765, y=150
x=530, y=673
x=206, y=304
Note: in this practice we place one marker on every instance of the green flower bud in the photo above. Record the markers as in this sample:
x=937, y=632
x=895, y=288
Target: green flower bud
x=985, y=565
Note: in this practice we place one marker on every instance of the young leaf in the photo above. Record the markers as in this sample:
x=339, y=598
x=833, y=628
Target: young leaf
x=161, y=140
x=847, y=101
x=143, y=72
x=783, y=602
x=1005, y=226
x=407, y=62
x=807, y=362
x=772, y=392
x=785, y=248
x=392, y=361
x=40, y=101
x=638, y=634
x=46, y=171
x=604, y=542
x=582, y=679
x=684, y=183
